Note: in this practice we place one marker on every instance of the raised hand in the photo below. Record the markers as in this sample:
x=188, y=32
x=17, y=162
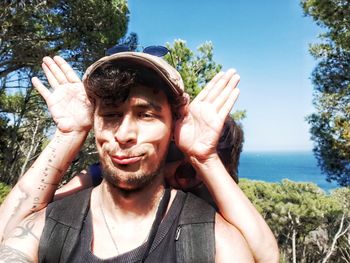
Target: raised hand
x=198, y=132
x=67, y=102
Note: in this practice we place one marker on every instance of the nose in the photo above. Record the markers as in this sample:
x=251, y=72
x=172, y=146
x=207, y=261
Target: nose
x=126, y=132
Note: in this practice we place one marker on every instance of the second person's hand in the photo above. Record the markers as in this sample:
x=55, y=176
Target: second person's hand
x=198, y=132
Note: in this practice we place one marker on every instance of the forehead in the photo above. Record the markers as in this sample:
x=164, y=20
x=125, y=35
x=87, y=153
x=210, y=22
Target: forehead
x=140, y=94
x=148, y=93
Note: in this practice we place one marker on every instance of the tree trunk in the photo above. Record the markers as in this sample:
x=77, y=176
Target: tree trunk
x=336, y=237
x=33, y=146
x=293, y=246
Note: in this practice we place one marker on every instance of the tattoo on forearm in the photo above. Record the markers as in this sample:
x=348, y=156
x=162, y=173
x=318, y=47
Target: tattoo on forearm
x=37, y=204
x=52, y=157
x=44, y=183
x=10, y=255
x=26, y=229
x=52, y=171
x=23, y=195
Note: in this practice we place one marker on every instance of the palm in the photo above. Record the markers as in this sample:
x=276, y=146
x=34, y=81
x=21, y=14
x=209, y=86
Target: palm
x=199, y=131
x=197, y=134
x=67, y=103
x=70, y=108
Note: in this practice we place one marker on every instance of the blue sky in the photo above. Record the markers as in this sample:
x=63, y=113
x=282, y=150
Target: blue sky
x=266, y=41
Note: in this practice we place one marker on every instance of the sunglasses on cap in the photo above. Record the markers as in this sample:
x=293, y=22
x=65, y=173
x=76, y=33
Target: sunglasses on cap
x=158, y=51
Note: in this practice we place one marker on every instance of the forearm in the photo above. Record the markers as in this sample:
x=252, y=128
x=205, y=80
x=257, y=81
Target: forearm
x=35, y=189
x=79, y=182
x=236, y=208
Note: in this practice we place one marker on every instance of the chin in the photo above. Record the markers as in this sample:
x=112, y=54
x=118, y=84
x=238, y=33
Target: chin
x=125, y=179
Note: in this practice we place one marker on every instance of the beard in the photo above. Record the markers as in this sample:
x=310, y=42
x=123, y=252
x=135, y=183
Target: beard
x=131, y=181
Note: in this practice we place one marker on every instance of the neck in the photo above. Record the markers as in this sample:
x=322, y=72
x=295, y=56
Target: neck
x=130, y=204
x=124, y=216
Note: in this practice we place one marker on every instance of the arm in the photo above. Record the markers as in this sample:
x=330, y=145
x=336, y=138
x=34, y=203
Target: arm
x=79, y=182
x=85, y=179
x=237, y=209
x=229, y=243
x=35, y=189
x=71, y=111
x=22, y=242
x=197, y=135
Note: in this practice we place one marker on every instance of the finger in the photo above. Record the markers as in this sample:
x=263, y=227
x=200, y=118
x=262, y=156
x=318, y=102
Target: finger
x=55, y=70
x=204, y=92
x=67, y=70
x=50, y=77
x=220, y=85
x=221, y=99
x=227, y=107
x=38, y=85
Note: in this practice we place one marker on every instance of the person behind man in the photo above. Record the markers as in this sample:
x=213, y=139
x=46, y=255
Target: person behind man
x=133, y=186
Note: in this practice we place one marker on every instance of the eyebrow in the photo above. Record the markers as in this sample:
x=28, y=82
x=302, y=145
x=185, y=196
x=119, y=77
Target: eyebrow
x=148, y=104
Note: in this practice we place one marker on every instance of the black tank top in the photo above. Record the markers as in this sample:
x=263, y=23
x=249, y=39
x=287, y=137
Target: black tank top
x=162, y=249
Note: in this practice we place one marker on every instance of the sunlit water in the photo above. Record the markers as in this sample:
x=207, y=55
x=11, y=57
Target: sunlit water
x=275, y=166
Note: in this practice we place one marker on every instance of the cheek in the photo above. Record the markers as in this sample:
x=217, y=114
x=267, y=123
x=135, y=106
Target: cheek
x=156, y=134
x=104, y=137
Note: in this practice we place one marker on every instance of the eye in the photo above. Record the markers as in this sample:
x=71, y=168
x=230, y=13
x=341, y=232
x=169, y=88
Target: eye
x=146, y=115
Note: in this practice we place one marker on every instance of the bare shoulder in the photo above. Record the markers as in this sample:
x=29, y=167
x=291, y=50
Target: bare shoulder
x=230, y=244
x=22, y=243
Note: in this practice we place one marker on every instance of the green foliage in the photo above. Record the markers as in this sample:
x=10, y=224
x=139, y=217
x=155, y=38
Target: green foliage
x=330, y=124
x=239, y=115
x=196, y=69
x=332, y=15
x=78, y=30
x=304, y=210
x=4, y=190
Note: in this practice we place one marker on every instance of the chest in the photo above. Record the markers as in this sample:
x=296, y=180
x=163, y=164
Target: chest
x=98, y=246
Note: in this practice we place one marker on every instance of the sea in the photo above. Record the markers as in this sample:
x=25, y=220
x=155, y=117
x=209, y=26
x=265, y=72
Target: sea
x=276, y=166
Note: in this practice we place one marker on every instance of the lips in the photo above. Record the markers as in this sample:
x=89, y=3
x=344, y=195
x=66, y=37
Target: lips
x=124, y=160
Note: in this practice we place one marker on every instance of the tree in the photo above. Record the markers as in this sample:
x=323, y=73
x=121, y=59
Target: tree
x=330, y=124
x=81, y=30
x=196, y=70
x=310, y=225
x=78, y=30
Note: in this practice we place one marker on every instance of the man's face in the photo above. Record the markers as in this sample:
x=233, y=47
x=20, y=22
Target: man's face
x=132, y=137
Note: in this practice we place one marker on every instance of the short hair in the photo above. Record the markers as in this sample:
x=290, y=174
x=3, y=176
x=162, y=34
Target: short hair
x=112, y=82
x=230, y=146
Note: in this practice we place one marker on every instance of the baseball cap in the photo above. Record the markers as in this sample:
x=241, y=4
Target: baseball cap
x=138, y=59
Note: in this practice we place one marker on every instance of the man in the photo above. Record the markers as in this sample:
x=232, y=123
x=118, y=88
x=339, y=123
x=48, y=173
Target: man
x=133, y=128
x=181, y=175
